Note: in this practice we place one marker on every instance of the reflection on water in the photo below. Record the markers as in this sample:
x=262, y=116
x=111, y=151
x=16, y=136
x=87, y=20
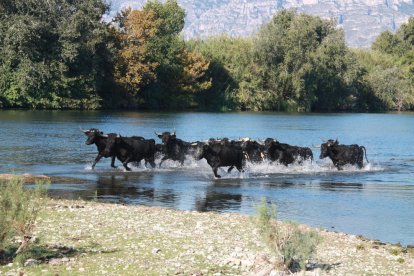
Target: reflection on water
x=376, y=202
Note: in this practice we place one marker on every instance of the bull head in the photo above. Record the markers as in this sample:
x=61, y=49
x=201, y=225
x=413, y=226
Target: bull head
x=331, y=142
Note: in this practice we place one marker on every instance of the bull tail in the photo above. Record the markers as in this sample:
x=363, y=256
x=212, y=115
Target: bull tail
x=365, y=151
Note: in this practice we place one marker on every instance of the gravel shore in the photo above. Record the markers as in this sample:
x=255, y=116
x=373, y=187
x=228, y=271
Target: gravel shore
x=90, y=238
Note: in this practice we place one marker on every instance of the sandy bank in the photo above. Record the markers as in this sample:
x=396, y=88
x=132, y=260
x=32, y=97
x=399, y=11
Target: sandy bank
x=92, y=238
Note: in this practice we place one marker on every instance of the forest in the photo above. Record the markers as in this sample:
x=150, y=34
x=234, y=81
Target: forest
x=60, y=54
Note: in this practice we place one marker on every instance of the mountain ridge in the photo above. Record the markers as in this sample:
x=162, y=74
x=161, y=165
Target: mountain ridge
x=361, y=20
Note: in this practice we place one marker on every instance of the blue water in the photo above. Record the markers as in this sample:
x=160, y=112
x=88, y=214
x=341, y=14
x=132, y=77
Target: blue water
x=377, y=201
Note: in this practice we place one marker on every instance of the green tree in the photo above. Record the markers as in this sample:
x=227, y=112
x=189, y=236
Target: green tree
x=233, y=74
x=54, y=53
x=305, y=63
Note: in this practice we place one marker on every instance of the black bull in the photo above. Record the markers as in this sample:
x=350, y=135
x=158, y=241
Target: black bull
x=286, y=154
x=343, y=154
x=130, y=149
x=219, y=155
x=174, y=148
x=95, y=136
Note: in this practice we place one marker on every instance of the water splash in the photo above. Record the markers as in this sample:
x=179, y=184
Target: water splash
x=251, y=170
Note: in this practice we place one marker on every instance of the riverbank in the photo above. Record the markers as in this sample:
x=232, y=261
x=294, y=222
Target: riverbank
x=91, y=238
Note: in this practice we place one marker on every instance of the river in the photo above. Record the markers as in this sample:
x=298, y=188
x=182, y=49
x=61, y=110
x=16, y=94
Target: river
x=376, y=201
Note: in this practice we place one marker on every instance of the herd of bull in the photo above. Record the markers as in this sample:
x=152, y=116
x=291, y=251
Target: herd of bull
x=218, y=152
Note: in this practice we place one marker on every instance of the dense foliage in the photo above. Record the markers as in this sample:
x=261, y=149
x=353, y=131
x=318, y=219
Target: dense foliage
x=154, y=67
x=53, y=53
x=60, y=54
x=299, y=62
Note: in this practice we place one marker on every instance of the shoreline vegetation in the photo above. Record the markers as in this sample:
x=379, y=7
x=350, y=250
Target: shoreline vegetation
x=94, y=238
x=62, y=55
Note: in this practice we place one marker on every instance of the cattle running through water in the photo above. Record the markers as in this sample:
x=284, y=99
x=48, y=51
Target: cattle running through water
x=217, y=152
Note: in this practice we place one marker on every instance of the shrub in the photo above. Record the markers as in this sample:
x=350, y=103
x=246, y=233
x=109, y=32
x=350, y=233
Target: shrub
x=395, y=251
x=19, y=209
x=401, y=260
x=292, y=245
x=360, y=247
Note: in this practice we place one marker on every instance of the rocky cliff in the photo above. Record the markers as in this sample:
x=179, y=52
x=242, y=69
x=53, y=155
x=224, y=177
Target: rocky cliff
x=362, y=20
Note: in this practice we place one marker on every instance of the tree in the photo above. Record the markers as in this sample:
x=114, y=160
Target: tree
x=153, y=63
x=386, y=42
x=391, y=88
x=53, y=53
x=134, y=68
x=304, y=63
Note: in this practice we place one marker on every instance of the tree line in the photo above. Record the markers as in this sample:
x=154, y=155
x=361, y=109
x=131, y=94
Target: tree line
x=60, y=54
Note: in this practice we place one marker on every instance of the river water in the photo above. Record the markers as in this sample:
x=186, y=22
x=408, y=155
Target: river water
x=377, y=201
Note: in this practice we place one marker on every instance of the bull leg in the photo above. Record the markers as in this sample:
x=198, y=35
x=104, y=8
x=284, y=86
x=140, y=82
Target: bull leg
x=229, y=170
x=162, y=160
x=338, y=166
x=125, y=163
x=240, y=168
x=113, y=162
x=215, y=172
x=151, y=161
x=96, y=160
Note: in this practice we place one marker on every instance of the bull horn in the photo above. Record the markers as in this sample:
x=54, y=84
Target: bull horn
x=84, y=131
x=194, y=144
x=173, y=132
x=317, y=146
x=156, y=133
x=104, y=135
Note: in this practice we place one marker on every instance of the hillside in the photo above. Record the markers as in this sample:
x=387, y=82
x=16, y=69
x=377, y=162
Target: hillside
x=362, y=20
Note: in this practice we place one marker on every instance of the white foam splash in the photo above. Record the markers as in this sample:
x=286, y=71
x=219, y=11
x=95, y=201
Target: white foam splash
x=263, y=169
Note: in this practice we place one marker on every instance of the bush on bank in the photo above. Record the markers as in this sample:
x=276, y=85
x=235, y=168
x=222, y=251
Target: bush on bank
x=19, y=209
x=292, y=246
